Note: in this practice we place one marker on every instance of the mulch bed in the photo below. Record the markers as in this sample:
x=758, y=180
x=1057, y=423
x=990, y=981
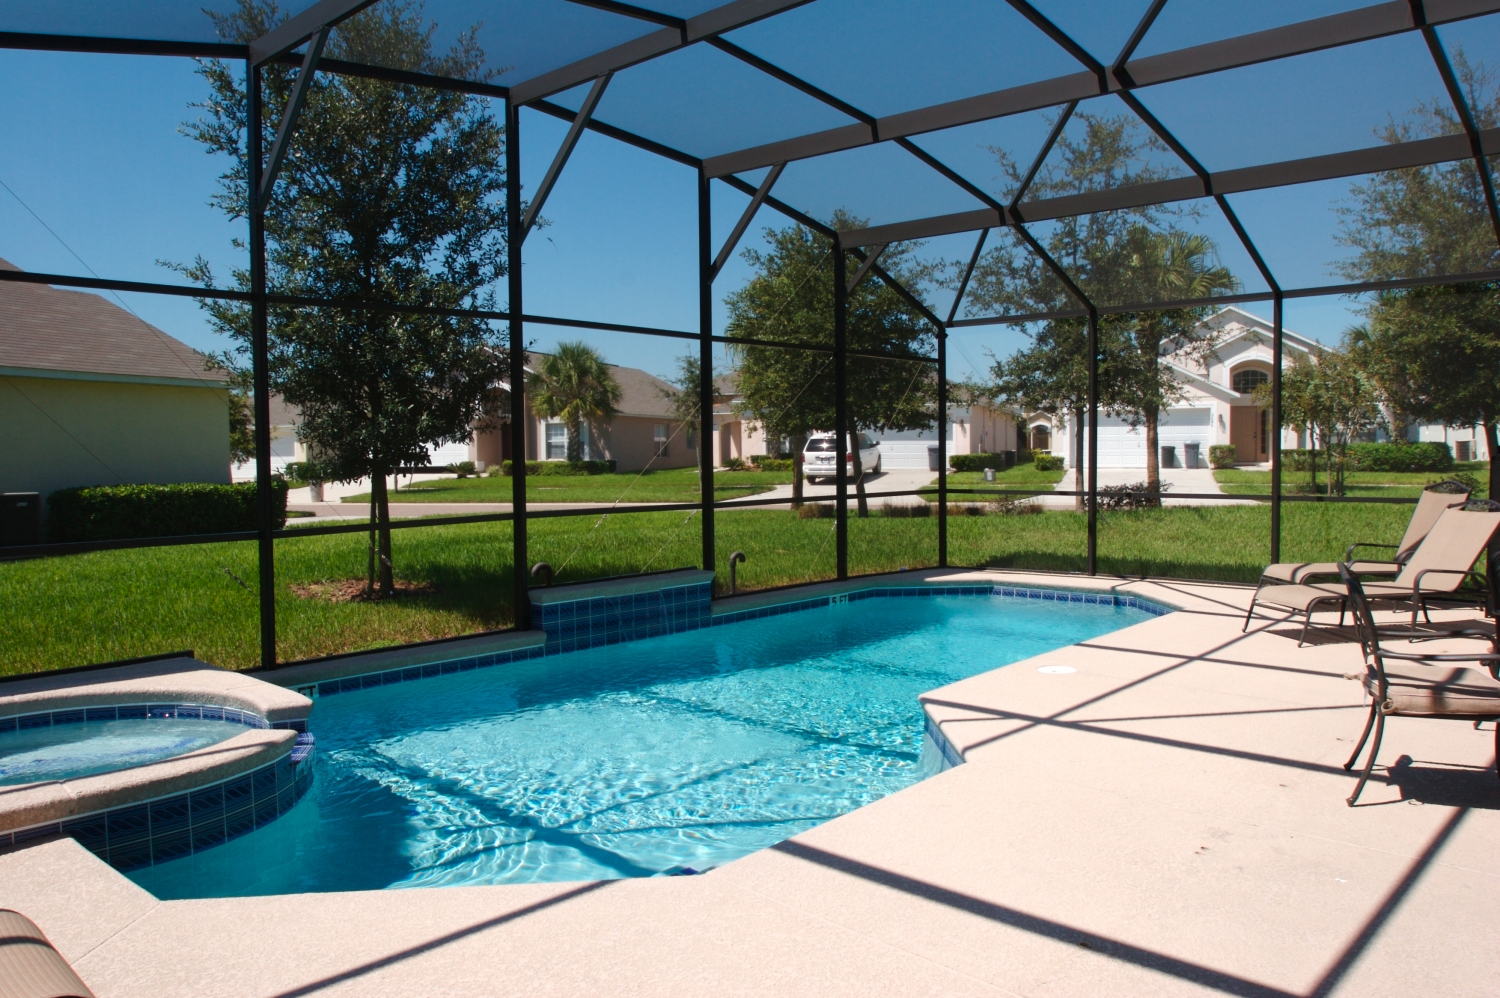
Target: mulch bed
x=353, y=591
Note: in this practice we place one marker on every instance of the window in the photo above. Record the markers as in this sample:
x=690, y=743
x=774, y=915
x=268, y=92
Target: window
x=557, y=441
x=659, y=436
x=692, y=439
x=585, y=442
x=820, y=444
x=1246, y=382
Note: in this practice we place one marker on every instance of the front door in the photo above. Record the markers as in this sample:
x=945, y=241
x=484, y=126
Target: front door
x=1247, y=432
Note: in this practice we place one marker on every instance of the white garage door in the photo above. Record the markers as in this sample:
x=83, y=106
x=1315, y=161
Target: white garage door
x=1124, y=446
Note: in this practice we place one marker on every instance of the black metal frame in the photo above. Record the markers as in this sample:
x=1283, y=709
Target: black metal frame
x=1124, y=75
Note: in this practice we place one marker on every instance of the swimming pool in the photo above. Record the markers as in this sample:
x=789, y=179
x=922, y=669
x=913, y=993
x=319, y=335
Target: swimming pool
x=673, y=754
x=69, y=751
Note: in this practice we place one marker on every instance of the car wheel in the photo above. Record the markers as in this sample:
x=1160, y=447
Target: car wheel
x=876, y=470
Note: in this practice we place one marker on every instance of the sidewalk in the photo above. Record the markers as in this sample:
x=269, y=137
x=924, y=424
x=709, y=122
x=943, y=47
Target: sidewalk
x=1197, y=481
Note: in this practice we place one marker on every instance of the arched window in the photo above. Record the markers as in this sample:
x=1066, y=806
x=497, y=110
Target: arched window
x=1247, y=381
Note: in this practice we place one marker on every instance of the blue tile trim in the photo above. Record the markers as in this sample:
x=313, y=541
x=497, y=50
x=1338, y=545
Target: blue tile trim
x=144, y=711
x=950, y=754
x=168, y=828
x=574, y=625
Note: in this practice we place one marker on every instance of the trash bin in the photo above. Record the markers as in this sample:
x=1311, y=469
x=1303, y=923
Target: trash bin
x=20, y=518
x=1169, y=457
x=1190, y=455
x=932, y=458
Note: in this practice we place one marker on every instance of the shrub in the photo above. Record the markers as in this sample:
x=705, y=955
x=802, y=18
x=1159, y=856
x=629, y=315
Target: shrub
x=1048, y=462
x=534, y=468
x=764, y=462
x=1024, y=456
x=978, y=462
x=1222, y=456
x=1120, y=497
x=966, y=509
x=1016, y=507
x=815, y=511
x=119, y=512
x=1400, y=457
x=494, y=471
x=915, y=511
x=463, y=469
x=1471, y=482
x=734, y=464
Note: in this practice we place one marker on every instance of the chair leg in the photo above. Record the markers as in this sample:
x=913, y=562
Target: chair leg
x=1246, y=626
x=1308, y=623
x=1364, y=736
x=1364, y=776
x=1497, y=748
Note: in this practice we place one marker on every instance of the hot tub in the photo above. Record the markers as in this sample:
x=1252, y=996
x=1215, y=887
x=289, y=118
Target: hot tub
x=102, y=742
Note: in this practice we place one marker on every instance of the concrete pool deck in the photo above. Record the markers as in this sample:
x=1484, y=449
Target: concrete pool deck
x=1167, y=819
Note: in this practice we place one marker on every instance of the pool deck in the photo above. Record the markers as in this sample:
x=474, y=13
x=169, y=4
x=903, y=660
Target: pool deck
x=1168, y=819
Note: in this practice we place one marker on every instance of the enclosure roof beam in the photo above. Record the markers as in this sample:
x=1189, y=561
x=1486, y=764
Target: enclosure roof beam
x=1374, y=159
x=300, y=27
x=704, y=26
x=1465, y=116
x=864, y=268
x=1363, y=24
x=290, y=115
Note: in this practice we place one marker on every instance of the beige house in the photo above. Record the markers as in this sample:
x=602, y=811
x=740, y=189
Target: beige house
x=92, y=395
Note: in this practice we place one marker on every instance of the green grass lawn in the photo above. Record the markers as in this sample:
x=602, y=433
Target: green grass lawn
x=1391, y=484
x=669, y=485
x=1022, y=476
x=107, y=605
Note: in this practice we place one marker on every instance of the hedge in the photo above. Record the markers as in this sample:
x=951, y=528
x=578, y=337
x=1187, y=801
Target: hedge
x=534, y=468
x=765, y=462
x=119, y=512
x=1377, y=457
x=979, y=462
x=1222, y=456
x=1047, y=462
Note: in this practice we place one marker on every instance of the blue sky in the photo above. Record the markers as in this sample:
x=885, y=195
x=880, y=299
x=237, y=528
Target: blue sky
x=94, y=149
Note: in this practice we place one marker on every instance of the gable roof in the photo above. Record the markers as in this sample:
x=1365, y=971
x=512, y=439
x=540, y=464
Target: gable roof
x=56, y=333
x=1255, y=324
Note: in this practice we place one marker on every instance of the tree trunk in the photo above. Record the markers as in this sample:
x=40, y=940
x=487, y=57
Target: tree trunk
x=381, y=499
x=1079, y=503
x=1312, y=455
x=575, y=442
x=799, y=441
x=857, y=470
x=370, y=567
x=1153, y=454
x=1491, y=446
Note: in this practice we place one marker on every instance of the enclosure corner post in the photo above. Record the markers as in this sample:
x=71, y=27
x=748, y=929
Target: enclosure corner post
x=265, y=518
x=841, y=407
x=706, y=368
x=942, y=431
x=1093, y=442
x=514, y=234
x=1277, y=343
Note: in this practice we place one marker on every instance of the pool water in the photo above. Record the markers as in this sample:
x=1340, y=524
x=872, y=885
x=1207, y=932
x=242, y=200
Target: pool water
x=666, y=755
x=68, y=751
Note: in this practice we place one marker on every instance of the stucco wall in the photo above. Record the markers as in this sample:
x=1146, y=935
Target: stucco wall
x=63, y=433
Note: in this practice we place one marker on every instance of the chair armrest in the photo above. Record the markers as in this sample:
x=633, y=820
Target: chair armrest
x=1416, y=584
x=1407, y=656
x=1349, y=552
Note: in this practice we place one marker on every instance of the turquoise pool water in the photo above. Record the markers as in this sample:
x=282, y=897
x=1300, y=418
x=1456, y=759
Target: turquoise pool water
x=72, y=750
x=656, y=756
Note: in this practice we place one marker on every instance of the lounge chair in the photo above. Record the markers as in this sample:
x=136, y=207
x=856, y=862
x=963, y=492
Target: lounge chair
x=29, y=965
x=1437, y=568
x=1417, y=685
x=1435, y=498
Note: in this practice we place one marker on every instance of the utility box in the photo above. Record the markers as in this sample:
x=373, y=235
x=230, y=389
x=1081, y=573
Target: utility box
x=20, y=518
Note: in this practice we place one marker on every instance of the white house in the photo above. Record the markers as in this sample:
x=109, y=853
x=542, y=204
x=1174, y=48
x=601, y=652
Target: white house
x=1218, y=407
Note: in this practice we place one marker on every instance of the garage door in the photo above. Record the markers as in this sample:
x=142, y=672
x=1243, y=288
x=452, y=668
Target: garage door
x=1124, y=446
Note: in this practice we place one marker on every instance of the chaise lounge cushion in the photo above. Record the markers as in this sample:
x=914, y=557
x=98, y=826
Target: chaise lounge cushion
x=1300, y=571
x=1438, y=690
x=29, y=966
x=1299, y=598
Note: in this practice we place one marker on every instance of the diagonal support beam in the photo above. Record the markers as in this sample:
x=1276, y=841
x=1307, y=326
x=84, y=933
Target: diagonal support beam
x=864, y=268
x=559, y=161
x=290, y=115
x=963, y=285
x=746, y=217
x=298, y=29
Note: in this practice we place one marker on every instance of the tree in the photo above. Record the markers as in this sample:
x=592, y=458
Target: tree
x=576, y=386
x=684, y=397
x=791, y=300
x=1434, y=351
x=1133, y=255
x=390, y=193
x=1334, y=400
x=1051, y=376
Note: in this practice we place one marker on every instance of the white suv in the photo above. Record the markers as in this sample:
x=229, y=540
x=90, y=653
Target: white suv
x=818, y=461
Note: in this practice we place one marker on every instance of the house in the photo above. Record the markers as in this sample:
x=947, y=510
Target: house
x=1218, y=408
x=976, y=430
x=92, y=395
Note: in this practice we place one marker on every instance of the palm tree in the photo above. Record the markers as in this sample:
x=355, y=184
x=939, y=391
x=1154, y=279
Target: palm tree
x=576, y=386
